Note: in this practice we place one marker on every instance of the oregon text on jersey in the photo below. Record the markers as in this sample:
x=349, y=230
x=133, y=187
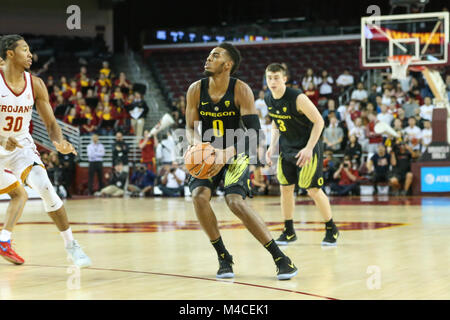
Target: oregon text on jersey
x=218, y=114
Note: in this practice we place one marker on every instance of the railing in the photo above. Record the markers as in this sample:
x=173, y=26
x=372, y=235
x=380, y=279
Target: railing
x=80, y=143
x=134, y=153
x=40, y=135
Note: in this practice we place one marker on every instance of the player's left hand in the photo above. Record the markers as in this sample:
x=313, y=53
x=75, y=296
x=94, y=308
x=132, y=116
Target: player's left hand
x=64, y=147
x=304, y=157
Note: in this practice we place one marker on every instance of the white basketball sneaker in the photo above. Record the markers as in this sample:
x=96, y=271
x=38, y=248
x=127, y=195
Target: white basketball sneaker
x=77, y=255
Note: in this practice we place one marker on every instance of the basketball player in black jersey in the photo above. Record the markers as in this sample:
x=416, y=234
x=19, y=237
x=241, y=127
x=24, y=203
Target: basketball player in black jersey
x=222, y=104
x=297, y=126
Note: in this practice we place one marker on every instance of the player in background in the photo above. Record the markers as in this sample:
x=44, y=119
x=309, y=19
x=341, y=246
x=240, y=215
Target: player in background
x=297, y=126
x=19, y=91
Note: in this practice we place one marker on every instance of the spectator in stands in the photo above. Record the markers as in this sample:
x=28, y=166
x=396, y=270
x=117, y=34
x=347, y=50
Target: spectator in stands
x=103, y=82
x=107, y=121
x=410, y=106
x=419, y=119
x=95, y=152
x=83, y=72
x=124, y=85
x=325, y=84
x=348, y=179
x=331, y=108
x=402, y=117
x=328, y=167
x=120, y=151
x=373, y=94
x=333, y=135
x=165, y=151
x=138, y=111
x=360, y=94
x=378, y=167
x=353, y=149
x=258, y=182
x=426, y=110
x=142, y=181
x=401, y=158
x=105, y=70
x=61, y=108
x=89, y=123
x=412, y=135
x=386, y=97
x=63, y=83
x=426, y=135
x=374, y=138
x=147, y=146
x=69, y=118
x=116, y=182
x=309, y=78
x=385, y=116
x=260, y=104
x=345, y=80
x=312, y=93
x=172, y=183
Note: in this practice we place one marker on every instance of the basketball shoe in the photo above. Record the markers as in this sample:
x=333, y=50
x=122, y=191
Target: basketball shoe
x=285, y=268
x=8, y=253
x=331, y=235
x=284, y=239
x=77, y=255
x=225, y=268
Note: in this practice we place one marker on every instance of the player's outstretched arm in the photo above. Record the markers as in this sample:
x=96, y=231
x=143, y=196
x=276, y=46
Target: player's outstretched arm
x=45, y=111
x=305, y=105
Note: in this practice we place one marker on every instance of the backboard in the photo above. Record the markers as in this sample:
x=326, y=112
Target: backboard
x=421, y=35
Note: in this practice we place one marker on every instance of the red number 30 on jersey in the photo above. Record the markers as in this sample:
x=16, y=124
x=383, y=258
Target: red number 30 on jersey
x=14, y=124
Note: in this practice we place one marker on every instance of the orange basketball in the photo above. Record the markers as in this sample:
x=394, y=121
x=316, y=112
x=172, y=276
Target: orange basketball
x=199, y=159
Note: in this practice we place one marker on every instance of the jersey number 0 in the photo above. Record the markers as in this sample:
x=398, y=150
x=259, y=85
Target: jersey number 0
x=12, y=125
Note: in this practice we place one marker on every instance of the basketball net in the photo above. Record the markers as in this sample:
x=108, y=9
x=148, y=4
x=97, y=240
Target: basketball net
x=399, y=65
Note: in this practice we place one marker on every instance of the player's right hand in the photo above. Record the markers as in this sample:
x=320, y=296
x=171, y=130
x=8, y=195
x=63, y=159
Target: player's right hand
x=12, y=144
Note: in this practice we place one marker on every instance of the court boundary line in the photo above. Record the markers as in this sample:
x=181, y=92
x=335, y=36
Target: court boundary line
x=190, y=277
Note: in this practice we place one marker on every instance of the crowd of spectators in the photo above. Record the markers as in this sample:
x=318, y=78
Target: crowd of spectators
x=100, y=103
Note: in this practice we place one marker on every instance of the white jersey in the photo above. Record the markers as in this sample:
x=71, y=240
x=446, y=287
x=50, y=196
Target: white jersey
x=16, y=109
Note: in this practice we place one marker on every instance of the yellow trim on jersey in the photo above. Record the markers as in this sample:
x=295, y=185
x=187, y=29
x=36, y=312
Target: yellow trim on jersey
x=26, y=172
x=236, y=169
x=10, y=188
x=307, y=173
x=280, y=175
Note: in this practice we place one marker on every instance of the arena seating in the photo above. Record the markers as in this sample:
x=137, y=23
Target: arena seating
x=178, y=68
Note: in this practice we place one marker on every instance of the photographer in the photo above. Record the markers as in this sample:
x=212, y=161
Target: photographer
x=172, y=183
x=120, y=151
x=116, y=183
x=142, y=181
x=348, y=179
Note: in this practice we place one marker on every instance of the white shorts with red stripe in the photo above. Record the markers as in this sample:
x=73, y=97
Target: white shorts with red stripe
x=16, y=165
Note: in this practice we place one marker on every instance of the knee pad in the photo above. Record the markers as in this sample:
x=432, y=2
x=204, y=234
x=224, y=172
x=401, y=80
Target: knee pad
x=39, y=181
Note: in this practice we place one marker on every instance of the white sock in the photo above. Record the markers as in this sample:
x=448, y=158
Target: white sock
x=5, y=235
x=67, y=237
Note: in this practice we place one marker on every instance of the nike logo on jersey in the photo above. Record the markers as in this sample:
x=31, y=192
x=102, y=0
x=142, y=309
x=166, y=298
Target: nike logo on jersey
x=4, y=96
x=204, y=103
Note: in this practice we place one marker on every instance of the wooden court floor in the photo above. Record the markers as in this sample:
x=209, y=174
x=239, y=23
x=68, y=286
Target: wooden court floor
x=154, y=248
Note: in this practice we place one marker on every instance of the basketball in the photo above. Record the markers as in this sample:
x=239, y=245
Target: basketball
x=199, y=159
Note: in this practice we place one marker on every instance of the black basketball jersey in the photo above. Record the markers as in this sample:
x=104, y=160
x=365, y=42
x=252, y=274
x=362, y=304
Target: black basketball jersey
x=217, y=117
x=295, y=127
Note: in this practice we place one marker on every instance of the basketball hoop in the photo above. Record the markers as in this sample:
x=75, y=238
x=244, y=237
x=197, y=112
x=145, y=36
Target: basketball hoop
x=399, y=64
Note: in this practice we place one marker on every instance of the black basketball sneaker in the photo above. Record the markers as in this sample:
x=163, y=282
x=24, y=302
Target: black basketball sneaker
x=331, y=235
x=285, y=268
x=225, y=268
x=285, y=238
